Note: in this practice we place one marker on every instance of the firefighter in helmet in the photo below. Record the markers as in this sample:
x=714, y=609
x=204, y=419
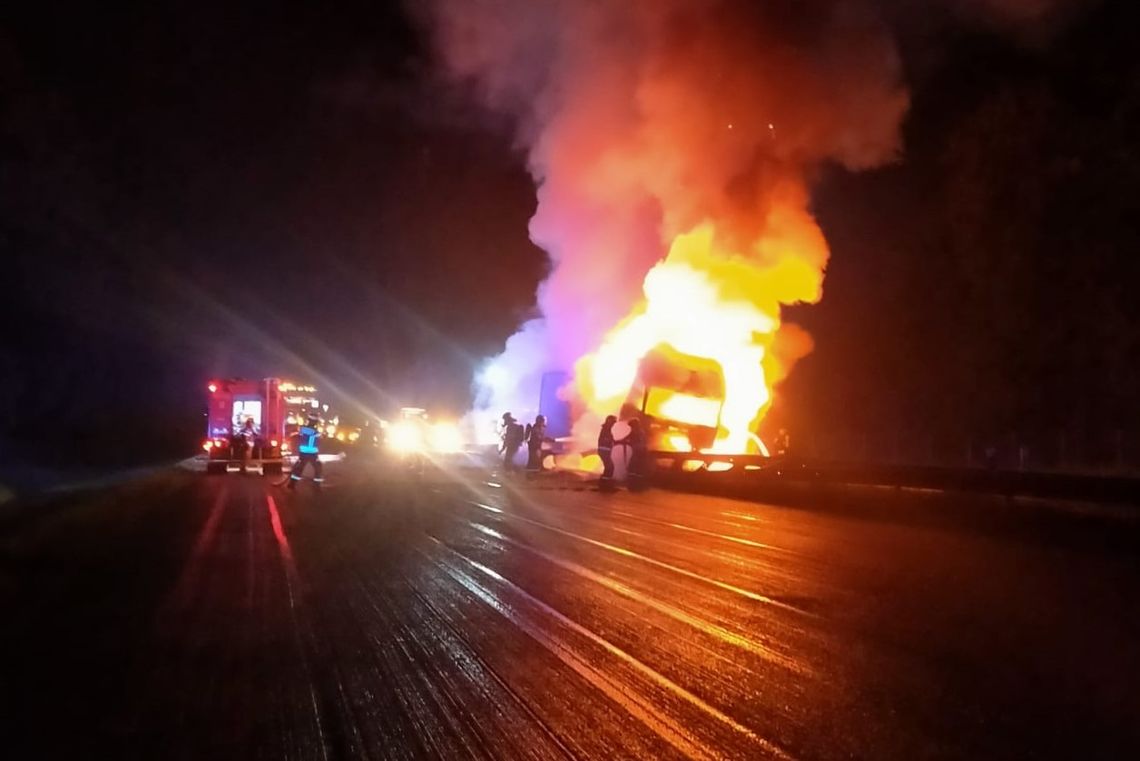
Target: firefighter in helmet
x=308, y=451
x=637, y=467
x=246, y=440
x=606, y=450
x=513, y=437
x=535, y=438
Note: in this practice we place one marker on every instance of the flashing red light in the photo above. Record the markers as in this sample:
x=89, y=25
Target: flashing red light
x=273, y=442
x=213, y=387
x=206, y=445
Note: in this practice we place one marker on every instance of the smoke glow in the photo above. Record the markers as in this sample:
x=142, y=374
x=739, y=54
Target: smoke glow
x=672, y=145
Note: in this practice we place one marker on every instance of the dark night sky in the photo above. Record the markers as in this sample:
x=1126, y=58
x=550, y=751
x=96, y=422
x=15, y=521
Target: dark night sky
x=175, y=177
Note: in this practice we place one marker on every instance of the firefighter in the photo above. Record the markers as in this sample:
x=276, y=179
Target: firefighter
x=513, y=437
x=535, y=438
x=246, y=438
x=606, y=450
x=308, y=451
x=638, y=460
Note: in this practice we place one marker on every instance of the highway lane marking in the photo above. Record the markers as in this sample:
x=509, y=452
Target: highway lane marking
x=625, y=552
x=693, y=529
x=279, y=534
x=677, y=614
x=743, y=516
x=638, y=706
x=472, y=657
x=292, y=579
x=742, y=560
x=192, y=569
x=683, y=527
x=702, y=532
x=660, y=540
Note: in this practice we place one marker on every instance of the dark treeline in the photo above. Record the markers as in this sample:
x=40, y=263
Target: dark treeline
x=984, y=288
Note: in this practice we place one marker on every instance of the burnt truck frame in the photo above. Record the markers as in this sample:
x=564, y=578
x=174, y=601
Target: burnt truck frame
x=229, y=402
x=664, y=372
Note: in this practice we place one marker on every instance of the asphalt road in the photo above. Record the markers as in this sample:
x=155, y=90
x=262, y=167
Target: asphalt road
x=185, y=616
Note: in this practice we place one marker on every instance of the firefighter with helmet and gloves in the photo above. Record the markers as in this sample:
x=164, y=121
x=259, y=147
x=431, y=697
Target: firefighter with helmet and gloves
x=308, y=451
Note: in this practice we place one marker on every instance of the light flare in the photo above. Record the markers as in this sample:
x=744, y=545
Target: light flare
x=446, y=438
x=406, y=437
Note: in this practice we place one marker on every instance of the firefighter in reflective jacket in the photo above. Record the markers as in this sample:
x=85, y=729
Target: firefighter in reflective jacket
x=308, y=451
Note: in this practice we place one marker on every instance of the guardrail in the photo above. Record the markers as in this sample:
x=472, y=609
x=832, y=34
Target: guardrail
x=743, y=471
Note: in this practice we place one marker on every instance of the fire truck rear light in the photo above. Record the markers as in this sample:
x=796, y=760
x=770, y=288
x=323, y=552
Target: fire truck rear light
x=207, y=445
x=213, y=387
x=273, y=442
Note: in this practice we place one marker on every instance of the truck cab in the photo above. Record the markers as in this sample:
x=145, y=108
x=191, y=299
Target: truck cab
x=679, y=399
x=231, y=404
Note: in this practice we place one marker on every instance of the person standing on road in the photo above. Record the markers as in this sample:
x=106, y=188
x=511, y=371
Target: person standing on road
x=638, y=444
x=535, y=438
x=308, y=451
x=513, y=436
x=606, y=450
x=246, y=439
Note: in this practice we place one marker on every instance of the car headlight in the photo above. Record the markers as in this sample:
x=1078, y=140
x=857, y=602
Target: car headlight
x=405, y=437
x=446, y=438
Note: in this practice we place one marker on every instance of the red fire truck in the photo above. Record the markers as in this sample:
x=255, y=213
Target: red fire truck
x=233, y=402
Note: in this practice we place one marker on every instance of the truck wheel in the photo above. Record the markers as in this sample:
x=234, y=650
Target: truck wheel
x=215, y=468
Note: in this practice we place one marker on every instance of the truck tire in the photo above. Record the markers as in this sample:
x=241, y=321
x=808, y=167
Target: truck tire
x=215, y=468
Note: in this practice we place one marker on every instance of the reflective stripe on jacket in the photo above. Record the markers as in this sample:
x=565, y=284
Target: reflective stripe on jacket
x=309, y=443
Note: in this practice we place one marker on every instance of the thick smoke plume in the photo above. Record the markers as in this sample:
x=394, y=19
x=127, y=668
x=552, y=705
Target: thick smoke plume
x=678, y=134
x=644, y=121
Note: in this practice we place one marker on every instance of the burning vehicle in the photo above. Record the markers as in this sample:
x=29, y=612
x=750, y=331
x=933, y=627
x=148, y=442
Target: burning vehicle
x=674, y=197
x=679, y=398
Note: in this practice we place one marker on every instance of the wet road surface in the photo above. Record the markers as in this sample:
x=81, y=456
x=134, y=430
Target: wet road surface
x=184, y=616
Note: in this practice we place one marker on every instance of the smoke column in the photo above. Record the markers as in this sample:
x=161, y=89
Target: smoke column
x=650, y=123
x=643, y=121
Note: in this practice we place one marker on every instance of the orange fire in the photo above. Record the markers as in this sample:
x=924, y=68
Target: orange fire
x=719, y=304
x=682, y=127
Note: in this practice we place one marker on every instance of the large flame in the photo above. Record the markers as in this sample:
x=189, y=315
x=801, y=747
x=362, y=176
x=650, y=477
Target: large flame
x=709, y=300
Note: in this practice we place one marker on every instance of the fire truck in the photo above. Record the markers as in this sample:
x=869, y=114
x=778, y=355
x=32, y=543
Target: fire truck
x=231, y=404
